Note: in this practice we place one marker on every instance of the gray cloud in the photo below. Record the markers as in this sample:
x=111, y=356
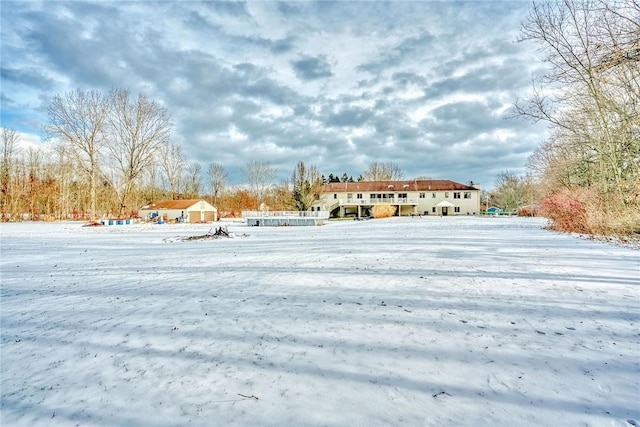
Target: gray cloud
x=349, y=117
x=310, y=68
x=418, y=46
x=26, y=76
x=335, y=84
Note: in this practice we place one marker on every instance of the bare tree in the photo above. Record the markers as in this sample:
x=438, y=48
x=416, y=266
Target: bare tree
x=510, y=191
x=381, y=171
x=280, y=197
x=173, y=163
x=217, y=181
x=153, y=182
x=78, y=118
x=561, y=162
x=33, y=159
x=306, y=185
x=65, y=172
x=9, y=150
x=140, y=127
x=259, y=176
x=193, y=180
x=591, y=93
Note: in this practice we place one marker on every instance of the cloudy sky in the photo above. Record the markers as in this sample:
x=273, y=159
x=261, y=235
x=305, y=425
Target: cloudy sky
x=427, y=85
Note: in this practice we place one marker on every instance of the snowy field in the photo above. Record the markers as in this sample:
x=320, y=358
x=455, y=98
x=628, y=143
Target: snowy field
x=454, y=321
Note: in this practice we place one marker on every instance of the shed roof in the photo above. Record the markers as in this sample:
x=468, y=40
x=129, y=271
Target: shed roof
x=172, y=204
x=411, y=185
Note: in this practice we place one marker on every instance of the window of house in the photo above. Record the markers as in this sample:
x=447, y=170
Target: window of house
x=391, y=195
x=467, y=194
x=402, y=195
x=433, y=195
x=446, y=195
x=349, y=195
x=335, y=196
x=422, y=195
x=456, y=195
x=359, y=195
x=456, y=209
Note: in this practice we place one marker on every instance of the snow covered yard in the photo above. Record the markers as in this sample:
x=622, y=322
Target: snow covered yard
x=405, y=321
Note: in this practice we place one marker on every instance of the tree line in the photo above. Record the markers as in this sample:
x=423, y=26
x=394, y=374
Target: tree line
x=111, y=153
x=586, y=176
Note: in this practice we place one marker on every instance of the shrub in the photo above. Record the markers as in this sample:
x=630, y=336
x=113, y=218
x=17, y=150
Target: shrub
x=566, y=210
x=531, y=210
x=583, y=210
x=383, y=211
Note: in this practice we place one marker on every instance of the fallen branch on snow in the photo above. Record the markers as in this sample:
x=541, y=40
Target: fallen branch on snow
x=219, y=233
x=248, y=397
x=441, y=393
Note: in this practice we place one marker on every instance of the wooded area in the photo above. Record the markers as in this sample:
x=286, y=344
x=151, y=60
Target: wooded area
x=109, y=154
x=587, y=174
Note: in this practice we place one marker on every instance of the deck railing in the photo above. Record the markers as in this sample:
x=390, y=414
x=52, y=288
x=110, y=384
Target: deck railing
x=387, y=201
x=286, y=214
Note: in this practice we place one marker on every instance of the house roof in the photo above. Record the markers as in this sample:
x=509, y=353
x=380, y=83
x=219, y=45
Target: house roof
x=172, y=204
x=411, y=185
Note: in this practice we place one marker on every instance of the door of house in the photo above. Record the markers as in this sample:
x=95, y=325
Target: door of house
x=445, y=211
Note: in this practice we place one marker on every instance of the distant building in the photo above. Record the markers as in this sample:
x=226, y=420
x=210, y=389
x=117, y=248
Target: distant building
x=191, y=210
x=414, y=197
x=493, y=210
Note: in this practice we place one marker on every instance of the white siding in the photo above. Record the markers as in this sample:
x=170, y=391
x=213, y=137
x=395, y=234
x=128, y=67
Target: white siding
x=412, y=204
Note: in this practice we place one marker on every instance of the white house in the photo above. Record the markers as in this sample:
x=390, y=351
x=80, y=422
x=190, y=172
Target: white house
x=191, y=210
x=413, y=197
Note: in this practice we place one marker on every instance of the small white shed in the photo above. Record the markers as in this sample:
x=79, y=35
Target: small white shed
x=191, y=210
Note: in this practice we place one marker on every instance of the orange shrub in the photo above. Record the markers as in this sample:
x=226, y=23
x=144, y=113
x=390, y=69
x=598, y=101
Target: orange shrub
x=584, y=210
x=383, y=211
x=566, y=210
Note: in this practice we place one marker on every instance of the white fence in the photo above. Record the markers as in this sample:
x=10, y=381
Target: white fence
x=286, y=214
x=284, y=218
